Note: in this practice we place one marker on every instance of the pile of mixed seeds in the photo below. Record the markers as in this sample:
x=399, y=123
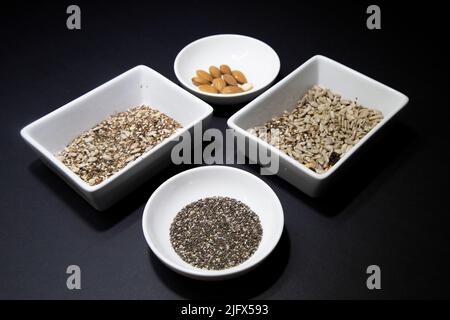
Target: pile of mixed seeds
x=320, y=130
x=215, y=233
x=103, y=150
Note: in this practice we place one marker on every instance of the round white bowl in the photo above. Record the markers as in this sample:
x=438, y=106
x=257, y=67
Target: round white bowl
x=258, y=61
x=209, y=181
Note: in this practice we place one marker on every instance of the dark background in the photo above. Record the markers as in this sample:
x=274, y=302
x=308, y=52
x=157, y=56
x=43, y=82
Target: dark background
x=391, y=209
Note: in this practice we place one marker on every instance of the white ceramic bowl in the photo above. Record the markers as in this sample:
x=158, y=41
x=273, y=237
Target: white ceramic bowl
x=198, y=183
x=140, y=85
x=258, y=61
x=284, y=95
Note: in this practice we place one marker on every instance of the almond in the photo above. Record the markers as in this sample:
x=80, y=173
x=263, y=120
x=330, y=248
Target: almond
x=239, y=76
x=199, y=81
x=219, y=83
x=225, y=69
x=231, y=89
x=205, y=75
x=214, y=71
x=208, y=88
x=229, y=79
x=247, y=86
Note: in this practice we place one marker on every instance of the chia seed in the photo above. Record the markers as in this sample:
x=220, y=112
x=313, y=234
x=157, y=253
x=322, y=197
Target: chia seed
x=215, y=233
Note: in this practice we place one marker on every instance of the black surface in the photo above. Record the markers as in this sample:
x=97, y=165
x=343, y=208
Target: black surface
x=391, y=209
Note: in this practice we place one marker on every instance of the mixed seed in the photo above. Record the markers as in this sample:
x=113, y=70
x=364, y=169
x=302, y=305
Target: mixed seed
x=215, y=233
x=320, y=130
x=118, y=140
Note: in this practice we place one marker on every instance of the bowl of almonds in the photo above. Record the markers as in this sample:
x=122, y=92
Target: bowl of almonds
x=227, y=69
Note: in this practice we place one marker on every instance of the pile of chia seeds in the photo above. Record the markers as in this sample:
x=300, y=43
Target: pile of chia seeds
x=215, y=233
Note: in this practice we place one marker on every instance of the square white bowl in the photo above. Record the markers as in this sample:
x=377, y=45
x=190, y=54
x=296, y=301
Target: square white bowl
x=141, y=85
x=324, y=72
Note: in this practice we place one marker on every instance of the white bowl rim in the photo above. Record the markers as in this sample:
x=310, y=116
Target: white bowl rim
x=317, y=176
x=203, y=273
x=24, y=132
x=222, y=96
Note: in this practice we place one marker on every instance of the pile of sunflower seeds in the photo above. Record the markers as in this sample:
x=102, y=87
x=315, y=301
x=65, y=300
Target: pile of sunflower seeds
x=215, y=233
x=103, y=150
x=320, y=130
